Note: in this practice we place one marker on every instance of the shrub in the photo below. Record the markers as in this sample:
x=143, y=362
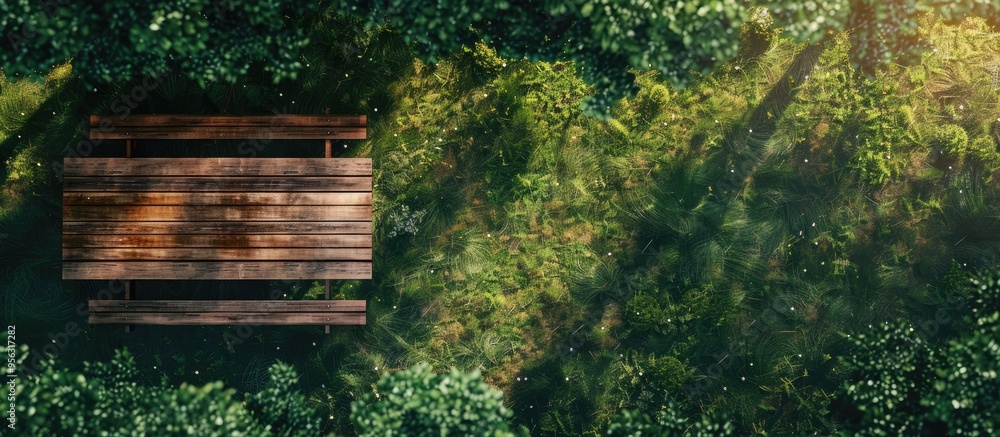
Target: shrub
x=281, y=406
x=418, y=402
x=106, y=398
x=670, y=421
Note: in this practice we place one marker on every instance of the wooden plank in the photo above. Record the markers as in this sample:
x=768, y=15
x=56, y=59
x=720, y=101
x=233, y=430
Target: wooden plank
x=208, y=306
x=217, y=254
x=199, y=270
x=170, y=198
x=287, y=167
x=216, y=213
x=217, y=228
x=231, y=133
x=222, y=120
x=217, y=241
x=235, y=318
x=222, y=183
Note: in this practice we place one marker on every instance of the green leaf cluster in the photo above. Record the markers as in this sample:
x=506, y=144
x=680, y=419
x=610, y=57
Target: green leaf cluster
x=108, y=398
x=416, y=401
x=207, y=41
x=901, y=385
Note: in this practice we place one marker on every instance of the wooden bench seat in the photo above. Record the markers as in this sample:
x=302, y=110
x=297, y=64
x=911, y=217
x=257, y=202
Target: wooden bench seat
x=220, y=218
x=228, y=127
x=227, y=312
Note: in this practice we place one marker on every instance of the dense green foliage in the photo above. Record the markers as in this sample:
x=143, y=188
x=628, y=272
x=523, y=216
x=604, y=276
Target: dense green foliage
x=111, y=398
x=281, y=407
x=704, y=245
x=121, y=40
x=106, y=398
x=607, y=39
x=224, y=40
x=884, y=32
x=900, y=385
x=419, y=402
x=669, y=422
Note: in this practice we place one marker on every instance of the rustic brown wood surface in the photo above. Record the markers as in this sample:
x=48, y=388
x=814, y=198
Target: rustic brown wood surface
x=218, y=183
x=287, y=167
x=223, y=120
x=305, y=270
x=210, y=312
x=217, y=241
x=216, y=228
x=179, y=127
x=220, y=218
x=246, y=199
x=199, y=213
x=208, y=306
x=236, y=318
x=215, y=254
x=275, y=218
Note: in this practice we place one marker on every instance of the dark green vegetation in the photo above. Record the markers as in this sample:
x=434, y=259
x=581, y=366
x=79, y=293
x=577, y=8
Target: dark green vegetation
x=223, y=40
x=900, y=383
x=114, y=398
x=418, y=402
x=699, y=258
x=119, y=40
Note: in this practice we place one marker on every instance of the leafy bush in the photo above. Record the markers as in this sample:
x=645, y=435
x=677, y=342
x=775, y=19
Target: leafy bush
x=951, y=139
x=107, y=399
x=418, y=402
x=889, y=367
x=670, y=422
x=985, y=297
x=208, y=40
x=280, y=406
x=900, y=385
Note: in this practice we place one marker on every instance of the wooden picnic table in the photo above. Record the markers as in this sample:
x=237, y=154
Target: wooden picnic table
x=219, y=218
